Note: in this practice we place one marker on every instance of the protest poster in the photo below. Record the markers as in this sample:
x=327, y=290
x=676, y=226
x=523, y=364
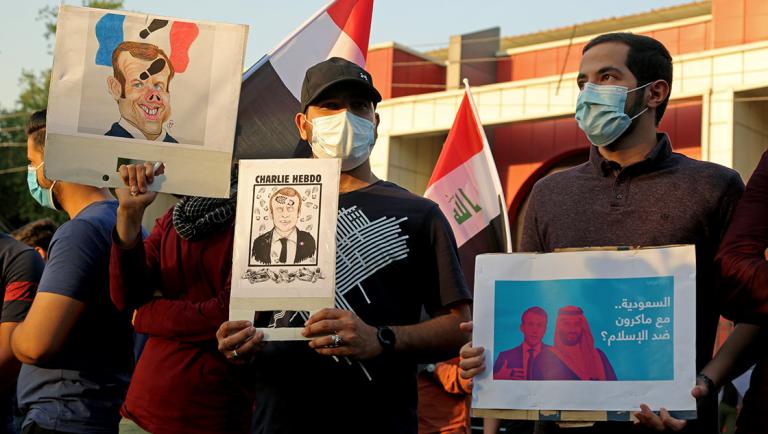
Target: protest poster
x=284, y=255
x=586, y=330
x=129, y=88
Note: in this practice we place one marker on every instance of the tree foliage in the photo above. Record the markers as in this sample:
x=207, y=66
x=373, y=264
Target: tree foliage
x=17, y=206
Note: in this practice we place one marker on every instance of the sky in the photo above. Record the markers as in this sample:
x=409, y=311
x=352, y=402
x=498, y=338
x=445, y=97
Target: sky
x=420, y=24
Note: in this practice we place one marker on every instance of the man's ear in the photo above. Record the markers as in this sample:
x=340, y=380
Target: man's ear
x=301, y=125
x=114, y=87
x=658, y=93
x=376, y=121
x=42, y=253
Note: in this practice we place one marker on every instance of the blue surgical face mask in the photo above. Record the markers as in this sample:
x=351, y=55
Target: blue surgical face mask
x=41, y=195
x=600, y=112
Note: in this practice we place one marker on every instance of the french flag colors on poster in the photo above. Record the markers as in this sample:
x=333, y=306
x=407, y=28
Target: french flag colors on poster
x=271, y=90
x=466, y=185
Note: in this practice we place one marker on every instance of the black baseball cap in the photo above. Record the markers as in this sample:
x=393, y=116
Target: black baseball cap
x=330, y=72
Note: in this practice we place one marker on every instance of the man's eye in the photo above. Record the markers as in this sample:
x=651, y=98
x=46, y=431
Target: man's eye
x=138, y=85
x=158, y=87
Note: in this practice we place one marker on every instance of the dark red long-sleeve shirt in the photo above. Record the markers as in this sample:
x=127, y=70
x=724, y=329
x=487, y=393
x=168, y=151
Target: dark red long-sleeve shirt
x=181, y=382
x=741, y=256
x=745, y=297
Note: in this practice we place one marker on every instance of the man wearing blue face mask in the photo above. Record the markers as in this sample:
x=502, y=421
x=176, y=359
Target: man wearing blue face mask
x=396, y=255
x=633, y=191
x=76, y=348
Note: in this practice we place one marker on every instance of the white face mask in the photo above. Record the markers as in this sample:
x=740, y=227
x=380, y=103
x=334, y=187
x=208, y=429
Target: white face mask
x=344, y=136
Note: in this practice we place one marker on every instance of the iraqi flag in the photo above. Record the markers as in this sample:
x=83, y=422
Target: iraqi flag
x=466, y=185
x=271, y=90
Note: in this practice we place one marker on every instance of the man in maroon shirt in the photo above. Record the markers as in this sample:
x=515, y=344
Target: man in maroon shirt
x=181, y=383
x=742, y=258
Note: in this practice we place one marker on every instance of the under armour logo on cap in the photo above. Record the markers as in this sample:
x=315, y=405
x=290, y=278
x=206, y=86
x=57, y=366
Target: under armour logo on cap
x=363, y=76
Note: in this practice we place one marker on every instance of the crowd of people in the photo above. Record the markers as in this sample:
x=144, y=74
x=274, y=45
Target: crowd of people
x=106, y=328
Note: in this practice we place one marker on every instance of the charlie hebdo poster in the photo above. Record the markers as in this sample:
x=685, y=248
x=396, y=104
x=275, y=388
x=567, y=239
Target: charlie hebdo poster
x=587, y=330
x=129, y=87
x=285, y=239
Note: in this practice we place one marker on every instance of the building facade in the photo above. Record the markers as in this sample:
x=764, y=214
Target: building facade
x=525, y=90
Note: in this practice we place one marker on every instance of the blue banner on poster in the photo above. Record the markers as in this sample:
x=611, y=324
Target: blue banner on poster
x=584, y=329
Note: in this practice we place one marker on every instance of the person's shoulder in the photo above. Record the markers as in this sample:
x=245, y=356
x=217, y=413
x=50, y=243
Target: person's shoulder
x=554, y=182
x=402, y=199
x=11, y=245
x=707, y=172
x=98, y=218
x=14, y=251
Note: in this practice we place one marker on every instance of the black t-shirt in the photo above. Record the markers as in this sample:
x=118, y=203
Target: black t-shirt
x=395, y=254
x=20, y=271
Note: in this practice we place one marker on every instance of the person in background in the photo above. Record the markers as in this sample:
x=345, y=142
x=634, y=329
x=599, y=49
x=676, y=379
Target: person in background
x=20, y=271
x=444, y=399
x=743, y=261
x=76, y=348
x=37, y=235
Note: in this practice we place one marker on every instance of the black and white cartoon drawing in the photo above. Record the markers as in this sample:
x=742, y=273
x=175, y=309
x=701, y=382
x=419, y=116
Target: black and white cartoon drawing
x=285, y=243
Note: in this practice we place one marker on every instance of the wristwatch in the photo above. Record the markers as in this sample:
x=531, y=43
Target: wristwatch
x=386, y=338
x=712, y=388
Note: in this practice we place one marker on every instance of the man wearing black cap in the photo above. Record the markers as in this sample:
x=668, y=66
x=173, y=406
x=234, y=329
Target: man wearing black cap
x=396, y=255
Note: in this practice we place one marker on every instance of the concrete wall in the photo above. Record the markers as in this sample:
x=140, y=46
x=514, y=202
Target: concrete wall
x=411, y=160
x=750, y=130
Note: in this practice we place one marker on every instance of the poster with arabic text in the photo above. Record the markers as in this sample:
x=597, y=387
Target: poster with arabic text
x=587, y=330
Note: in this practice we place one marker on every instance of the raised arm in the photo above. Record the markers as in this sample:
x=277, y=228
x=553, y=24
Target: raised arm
x=133, y=268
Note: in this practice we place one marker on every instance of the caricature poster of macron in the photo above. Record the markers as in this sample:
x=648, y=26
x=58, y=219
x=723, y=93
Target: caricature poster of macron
x=285, y=238
x=129, y=87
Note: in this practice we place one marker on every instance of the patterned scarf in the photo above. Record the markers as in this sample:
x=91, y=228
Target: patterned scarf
x=195, y=217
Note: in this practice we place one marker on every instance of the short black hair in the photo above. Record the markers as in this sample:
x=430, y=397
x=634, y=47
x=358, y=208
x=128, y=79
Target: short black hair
x=648, y=59
x=37, y=234
x=36, y=127
x=534, y=310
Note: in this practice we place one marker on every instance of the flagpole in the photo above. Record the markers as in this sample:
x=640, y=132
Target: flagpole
x=494, y=174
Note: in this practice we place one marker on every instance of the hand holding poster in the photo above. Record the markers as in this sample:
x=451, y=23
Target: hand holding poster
x=588, y=330
x=285, y=238
x=128, y=88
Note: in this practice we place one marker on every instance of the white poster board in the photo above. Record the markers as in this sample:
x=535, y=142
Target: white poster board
x=616, y=328
x=285, y=239
x=129, y=87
